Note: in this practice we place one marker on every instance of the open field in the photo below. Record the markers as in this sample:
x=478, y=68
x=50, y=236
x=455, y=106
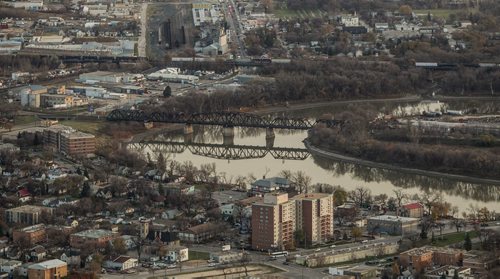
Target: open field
x=447, y=239
x=25, y=119
x=226, y=272
x=91, y=127
x=196, y=255
x=302, y=14
x=442, y=13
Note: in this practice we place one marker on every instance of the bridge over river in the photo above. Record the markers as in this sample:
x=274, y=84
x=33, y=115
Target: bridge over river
x=222, y=151
x=225, y=119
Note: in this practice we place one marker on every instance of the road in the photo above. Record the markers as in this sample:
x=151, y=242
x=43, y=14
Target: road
x=142, y=38
x=232, y=19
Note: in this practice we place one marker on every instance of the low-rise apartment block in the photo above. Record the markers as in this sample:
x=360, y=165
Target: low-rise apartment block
x=69, y=141
x=26, y=214
x=48, y=270
x=91, y=239
x=427, y=256
x=32, y=234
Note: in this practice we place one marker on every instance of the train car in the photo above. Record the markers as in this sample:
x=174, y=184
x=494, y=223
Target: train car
x=426, y=64
x=262, y=60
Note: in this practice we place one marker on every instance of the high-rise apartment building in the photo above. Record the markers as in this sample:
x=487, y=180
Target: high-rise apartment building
x=273, y=222
x=314, y=216
x=277, y=218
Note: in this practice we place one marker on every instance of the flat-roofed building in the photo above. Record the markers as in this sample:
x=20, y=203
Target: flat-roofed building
x=50, y=269
x=314, y=216
x=32, y=234
x=56, y=100
x=69, y=141
x=423, y=257
x=91, y=239
x=26, y=214
x=273, y=222
x=394, y=225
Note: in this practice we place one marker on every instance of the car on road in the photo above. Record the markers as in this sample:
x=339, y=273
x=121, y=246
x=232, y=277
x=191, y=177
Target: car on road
x=171, y=266
x=212, y=264
x=333, y=246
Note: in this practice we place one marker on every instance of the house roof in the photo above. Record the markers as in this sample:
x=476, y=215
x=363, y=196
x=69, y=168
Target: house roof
x=414, y=205
x=122, y=259
x=47, y=264
x=23, y=192
x=203, y=228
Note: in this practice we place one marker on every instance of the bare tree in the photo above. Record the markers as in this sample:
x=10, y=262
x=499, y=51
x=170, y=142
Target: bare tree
x=360, y=195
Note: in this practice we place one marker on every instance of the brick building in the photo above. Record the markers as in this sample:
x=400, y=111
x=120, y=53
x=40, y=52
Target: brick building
x=32, y=234
x=26, y=214
x=273, y=222
x=412, y=210
x=69, y=141
x=423, y=257
x=314, y=216
x=91, y=239
x=200, y=233
x=51, y=269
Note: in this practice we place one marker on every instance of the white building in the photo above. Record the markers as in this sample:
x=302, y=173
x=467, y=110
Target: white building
x=205, y=13
x=349, y=20
x=33, y=5
x=122, y=263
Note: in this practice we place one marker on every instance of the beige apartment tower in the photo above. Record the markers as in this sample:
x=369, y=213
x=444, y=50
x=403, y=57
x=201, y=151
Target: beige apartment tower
x=273, y=223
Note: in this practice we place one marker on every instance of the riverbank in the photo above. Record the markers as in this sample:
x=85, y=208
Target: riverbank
x=328, y=154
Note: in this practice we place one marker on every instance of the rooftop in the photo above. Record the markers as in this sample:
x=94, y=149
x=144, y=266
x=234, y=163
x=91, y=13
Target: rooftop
x=311, y=196
x=28, y=209
x=34, y=228
x=414, y=205
x=48, y=264
x=94, y=233
x=204, y=228
x=394, y=218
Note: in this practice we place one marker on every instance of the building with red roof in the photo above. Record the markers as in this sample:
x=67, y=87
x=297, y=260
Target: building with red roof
x=413, y=210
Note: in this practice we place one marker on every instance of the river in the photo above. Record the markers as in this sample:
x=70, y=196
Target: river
x=209, y=147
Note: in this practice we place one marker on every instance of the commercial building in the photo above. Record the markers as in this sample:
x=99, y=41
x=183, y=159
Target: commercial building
x=267, y=185
x=360, y=271
x=273, y=222
x=91, y=238
x=122, y=263
x=200, y=233
x=56, y=100
x=205, y=13
x=69, y=141
x=26, y=214
x=226, y=257
x=32, y=234
x=393, y=225
x=314, y=216
x=51, y=269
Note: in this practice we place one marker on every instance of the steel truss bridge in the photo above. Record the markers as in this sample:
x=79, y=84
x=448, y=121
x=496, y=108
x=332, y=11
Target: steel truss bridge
x=226, y=119
x=221, y=151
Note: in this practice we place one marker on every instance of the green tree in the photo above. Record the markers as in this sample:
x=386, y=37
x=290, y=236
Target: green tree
x=467, y=242
x=167, y=92
x=455, y=274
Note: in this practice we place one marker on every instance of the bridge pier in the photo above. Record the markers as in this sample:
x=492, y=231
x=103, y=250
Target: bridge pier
x=188, y=129
x=188, y=138
x=228, y=135
x=270, y=133
x=269, y=142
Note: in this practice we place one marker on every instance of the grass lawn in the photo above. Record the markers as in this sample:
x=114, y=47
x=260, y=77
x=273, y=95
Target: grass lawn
x=448, y=239
x=197, y=255
x=91, y=127
x=442, y=13
x=25, y=119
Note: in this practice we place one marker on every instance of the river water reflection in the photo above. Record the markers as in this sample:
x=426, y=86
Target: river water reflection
x=209, y=142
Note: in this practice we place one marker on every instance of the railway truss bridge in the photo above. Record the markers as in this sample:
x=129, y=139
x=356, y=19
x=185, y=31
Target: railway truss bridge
x=221, y=151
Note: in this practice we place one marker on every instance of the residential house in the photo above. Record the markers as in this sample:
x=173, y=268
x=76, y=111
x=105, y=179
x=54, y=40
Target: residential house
x=10, y=266
x=24, y=195
x=71, y=257
x=177, y=253
x=48, y=270
x=38, y=253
